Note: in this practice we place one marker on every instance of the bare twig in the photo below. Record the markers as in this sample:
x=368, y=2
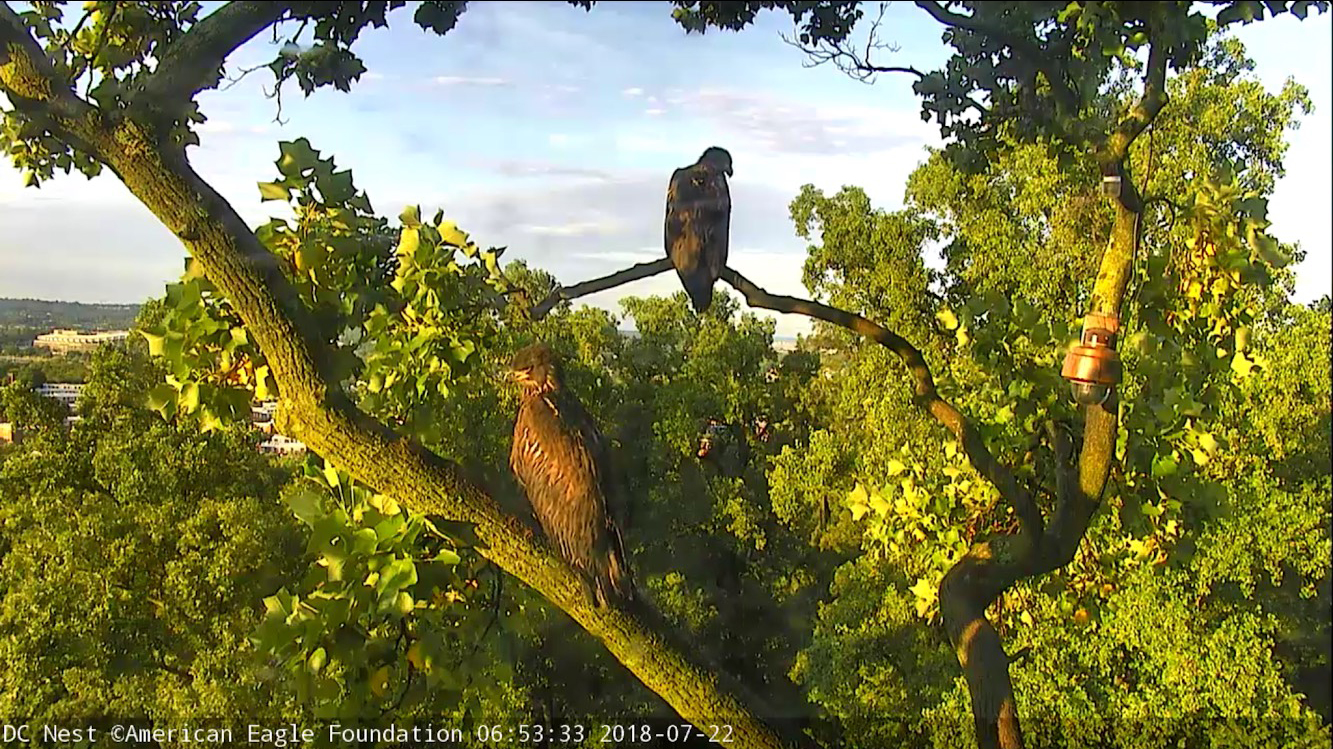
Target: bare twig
x=98, y=45
x=856, y=64
x=233, y=80
x=632, y=273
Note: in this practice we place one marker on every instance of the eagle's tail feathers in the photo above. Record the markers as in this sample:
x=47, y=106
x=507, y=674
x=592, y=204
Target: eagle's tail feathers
x=699, y=287
x=613, y=578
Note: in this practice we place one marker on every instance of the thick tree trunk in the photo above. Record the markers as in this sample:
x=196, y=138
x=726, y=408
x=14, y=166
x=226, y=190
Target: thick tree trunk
x=989, y=569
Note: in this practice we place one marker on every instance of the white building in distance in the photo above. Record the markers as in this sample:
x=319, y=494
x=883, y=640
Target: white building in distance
x=65, y=392
x=280, y=445
x=64, y=341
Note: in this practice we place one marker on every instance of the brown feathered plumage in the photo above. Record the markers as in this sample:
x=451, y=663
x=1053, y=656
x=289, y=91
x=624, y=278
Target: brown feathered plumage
x=698, y=222
x=561, y=461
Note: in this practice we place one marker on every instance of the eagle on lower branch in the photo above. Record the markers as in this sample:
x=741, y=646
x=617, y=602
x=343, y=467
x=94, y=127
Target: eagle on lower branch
x=562, y=462
x=698, y=221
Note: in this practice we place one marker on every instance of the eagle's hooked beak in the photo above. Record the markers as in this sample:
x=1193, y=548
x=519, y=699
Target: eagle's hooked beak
x=727, y=171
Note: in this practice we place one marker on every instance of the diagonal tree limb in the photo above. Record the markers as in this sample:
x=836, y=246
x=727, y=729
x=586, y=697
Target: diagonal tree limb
x=29, y=80
x=988, y=569
x=194, y=61
x=926, y=395
x=632, y=273
x=323, y=416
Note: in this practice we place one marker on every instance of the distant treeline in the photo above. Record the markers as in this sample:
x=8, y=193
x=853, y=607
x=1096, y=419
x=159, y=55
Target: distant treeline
x=38, y=313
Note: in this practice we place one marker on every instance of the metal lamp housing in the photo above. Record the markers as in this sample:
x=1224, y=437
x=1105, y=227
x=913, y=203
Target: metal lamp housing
x=1093, y=366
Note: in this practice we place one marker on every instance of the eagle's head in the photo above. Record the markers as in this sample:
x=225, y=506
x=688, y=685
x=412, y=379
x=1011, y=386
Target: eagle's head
x=716, y=159
x=535, y=369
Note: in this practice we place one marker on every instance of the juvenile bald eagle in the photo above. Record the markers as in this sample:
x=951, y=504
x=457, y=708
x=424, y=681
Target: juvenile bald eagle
x=698, y=221
x=562, y=462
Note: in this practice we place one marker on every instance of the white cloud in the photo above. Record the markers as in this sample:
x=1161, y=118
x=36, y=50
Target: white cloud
x=462, y=80
x=576, y=229
x=633, y=91
x=654, y=112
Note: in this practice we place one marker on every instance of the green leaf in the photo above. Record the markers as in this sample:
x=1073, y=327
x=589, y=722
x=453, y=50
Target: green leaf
x=1245, y=11
x=296, y=157
x=1242, y=365
x=331, y=475
x=947, y=318
x=451, y=234
x=396, y=575
x=154, y=342
x=857, y=496
x=318, y=659
x=162, y=399
x=274, y=191
x=337, y=187
x=447, y=556
x=879, y=504
x=306, y=504
x=411, y=217
x=189, y=397
x=403, y=604
x=896, y=467
x=926, y=594
x=1164, y=465
x=364, y=542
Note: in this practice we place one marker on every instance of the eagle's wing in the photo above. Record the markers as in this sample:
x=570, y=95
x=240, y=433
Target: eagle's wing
x=682, y=235
x=560, y=476
x=719, y=218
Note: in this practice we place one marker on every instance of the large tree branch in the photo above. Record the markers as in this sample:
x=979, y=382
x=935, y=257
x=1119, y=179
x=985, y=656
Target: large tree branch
x=193, y=62
x=988, y=568
x=632, y=273
x=926, y=395
x=29, y=80
x=1145, y=110
x=323, y=416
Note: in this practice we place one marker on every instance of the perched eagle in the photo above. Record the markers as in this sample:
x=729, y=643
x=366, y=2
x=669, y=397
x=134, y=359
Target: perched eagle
x=562, y=463
x=698, y=220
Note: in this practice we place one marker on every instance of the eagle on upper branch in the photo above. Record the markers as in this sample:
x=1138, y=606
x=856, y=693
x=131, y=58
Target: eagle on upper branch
x=698, y=221
x=563, y=464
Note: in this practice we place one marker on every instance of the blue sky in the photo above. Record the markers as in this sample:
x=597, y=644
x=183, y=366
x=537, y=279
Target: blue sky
x=552, y=131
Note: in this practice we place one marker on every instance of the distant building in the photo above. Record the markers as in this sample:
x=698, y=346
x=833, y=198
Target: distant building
x=261, y=416
x=8, y=435
x=65, y=392
x=263, y=411
x=63, y=341
x=280, y=445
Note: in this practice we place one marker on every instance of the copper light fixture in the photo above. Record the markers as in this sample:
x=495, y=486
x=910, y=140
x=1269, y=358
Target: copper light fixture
x=1093, y=366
